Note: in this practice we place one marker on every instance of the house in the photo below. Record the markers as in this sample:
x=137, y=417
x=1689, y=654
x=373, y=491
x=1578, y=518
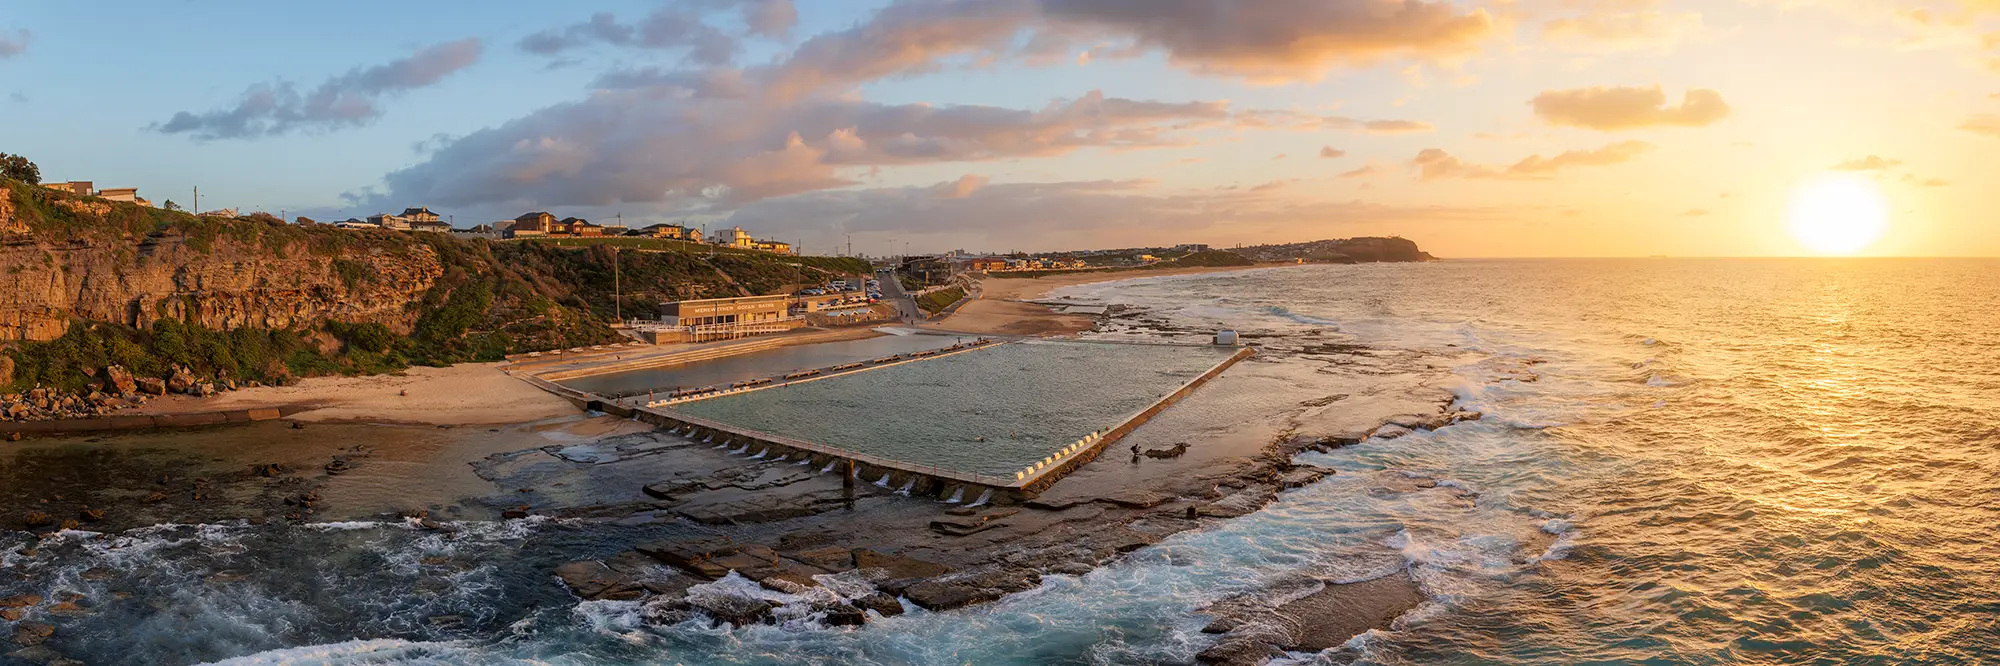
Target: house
x=582, y=228
x=222, y=212
x=1191, y=247
x=76, y=187
x=387, y=221
x=779, y=247
x=480, y=231
x=420, y=214
x=125, y=194
x=673, y=232
x=431, y=226
x=532, y=225
x=736, y=237
x=351, y=223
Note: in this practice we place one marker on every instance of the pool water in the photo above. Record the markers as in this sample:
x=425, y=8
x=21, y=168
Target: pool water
x=993, y=410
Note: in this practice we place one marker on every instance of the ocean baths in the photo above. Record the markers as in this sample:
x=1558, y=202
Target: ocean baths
x=1012, y=417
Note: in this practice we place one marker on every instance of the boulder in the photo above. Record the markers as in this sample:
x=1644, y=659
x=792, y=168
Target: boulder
x=739, y=611
x=10, y=614
x=594, y=580
x=119, y=379
x=887, y=605
x=937, y=596
x=181, y=381
x=151, y=385
x=21, y=601
x=845, y=616
x=830, y=558
x=29, y=634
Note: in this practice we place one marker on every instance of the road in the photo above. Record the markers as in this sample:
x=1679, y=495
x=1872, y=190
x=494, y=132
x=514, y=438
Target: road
x=906, y=305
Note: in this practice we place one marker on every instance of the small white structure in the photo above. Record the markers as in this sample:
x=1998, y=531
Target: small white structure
x=1225, y=337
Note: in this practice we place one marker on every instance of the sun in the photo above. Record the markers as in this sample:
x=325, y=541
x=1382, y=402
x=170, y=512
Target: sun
x=1839, y=214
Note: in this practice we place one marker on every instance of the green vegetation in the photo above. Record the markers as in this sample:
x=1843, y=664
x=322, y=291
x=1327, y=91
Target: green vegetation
x=937, y=301
x=20, y=168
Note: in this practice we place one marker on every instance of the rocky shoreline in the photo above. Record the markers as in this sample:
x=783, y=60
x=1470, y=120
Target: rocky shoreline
x=118, y=390
x=848, y=567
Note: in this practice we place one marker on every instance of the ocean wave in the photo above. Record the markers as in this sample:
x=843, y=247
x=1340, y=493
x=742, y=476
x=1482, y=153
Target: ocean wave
x=369, y=651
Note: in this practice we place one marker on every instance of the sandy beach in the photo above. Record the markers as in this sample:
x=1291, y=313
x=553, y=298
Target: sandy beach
x=1003, y=307
x=469, y=394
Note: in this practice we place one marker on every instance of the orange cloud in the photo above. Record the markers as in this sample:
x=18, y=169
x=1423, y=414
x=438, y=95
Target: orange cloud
x=1330, y=152
x=1306, y=122
x=1985, y=123
x=1362, y=172
x=1283, y=40
x=1436, y=164
x=1609, y=109
x=1695, y=212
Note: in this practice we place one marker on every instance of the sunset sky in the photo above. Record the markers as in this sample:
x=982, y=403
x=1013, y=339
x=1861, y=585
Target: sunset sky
x=1477, y=128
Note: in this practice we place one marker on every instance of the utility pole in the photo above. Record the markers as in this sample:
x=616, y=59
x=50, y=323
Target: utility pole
x=617, y=289
x=850, y=245
x=196, y=209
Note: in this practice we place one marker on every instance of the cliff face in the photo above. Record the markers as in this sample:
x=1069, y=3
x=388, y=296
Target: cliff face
x=223, y=284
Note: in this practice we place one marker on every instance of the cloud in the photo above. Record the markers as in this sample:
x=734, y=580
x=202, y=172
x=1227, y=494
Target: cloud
x=1985, y=123
x=1694, y=212
x=669, y=28
x=653, y=146
x=1869, y=163
x=349, y=100
x=18, y=97
x=1436, y=164
x=1609, y=109
x=1282, y=40
x=1925, y=182
x=15, y=44
x=1306, y=122
x=1330, y=152
x=1362, y=172
x=1626, y=26
x=963, y=187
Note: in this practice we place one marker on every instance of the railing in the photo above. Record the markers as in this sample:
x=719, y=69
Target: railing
x=990, y=480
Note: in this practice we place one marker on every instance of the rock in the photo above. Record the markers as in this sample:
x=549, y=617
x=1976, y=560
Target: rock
x=119, y=379
x=11, y=614
x=897, y=567
x=19, y=411
x=151, y=385
x=845, y=616
x=594, y=580
x=738, y=611
x=515, y=513
x=21, y=601
x=1303, y=476
x=29, y=634
x=6, y=370
x=270, y=470
x=937, y=596
x=41, y=654
x=39, y=519
x=830, y=558
x=181, y=381
x=692, y=555
x=68, y=609
x=887, y=605
x=156, y=498
x=1174, y=451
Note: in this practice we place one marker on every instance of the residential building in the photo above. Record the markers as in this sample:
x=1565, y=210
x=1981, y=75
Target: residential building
x=351, y=223
x=533, y=224
x=222, y=212
x=580, y=227
x=432, y=226
x=125, y=194
x=673, y=232
x=481, y=231
x=736, y=237
x=986, y=265
x=77, y=187
x=779, y=247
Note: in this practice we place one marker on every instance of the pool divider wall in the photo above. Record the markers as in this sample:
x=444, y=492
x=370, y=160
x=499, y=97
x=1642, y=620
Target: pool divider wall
x=1034, y=485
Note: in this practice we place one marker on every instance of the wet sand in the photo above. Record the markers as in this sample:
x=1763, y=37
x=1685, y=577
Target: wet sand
x=461, y=395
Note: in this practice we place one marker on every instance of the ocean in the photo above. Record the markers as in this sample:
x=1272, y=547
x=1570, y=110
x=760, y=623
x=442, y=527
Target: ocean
x=1681, y=461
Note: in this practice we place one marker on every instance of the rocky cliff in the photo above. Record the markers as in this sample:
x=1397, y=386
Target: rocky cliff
x=228, y=285
x=1342, y=250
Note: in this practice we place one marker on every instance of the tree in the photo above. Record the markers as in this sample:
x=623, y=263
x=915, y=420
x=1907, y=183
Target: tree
x=170, y=205
x=19, y=168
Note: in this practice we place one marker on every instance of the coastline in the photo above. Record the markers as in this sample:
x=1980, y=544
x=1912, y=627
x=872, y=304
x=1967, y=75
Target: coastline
x=1006, y=306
